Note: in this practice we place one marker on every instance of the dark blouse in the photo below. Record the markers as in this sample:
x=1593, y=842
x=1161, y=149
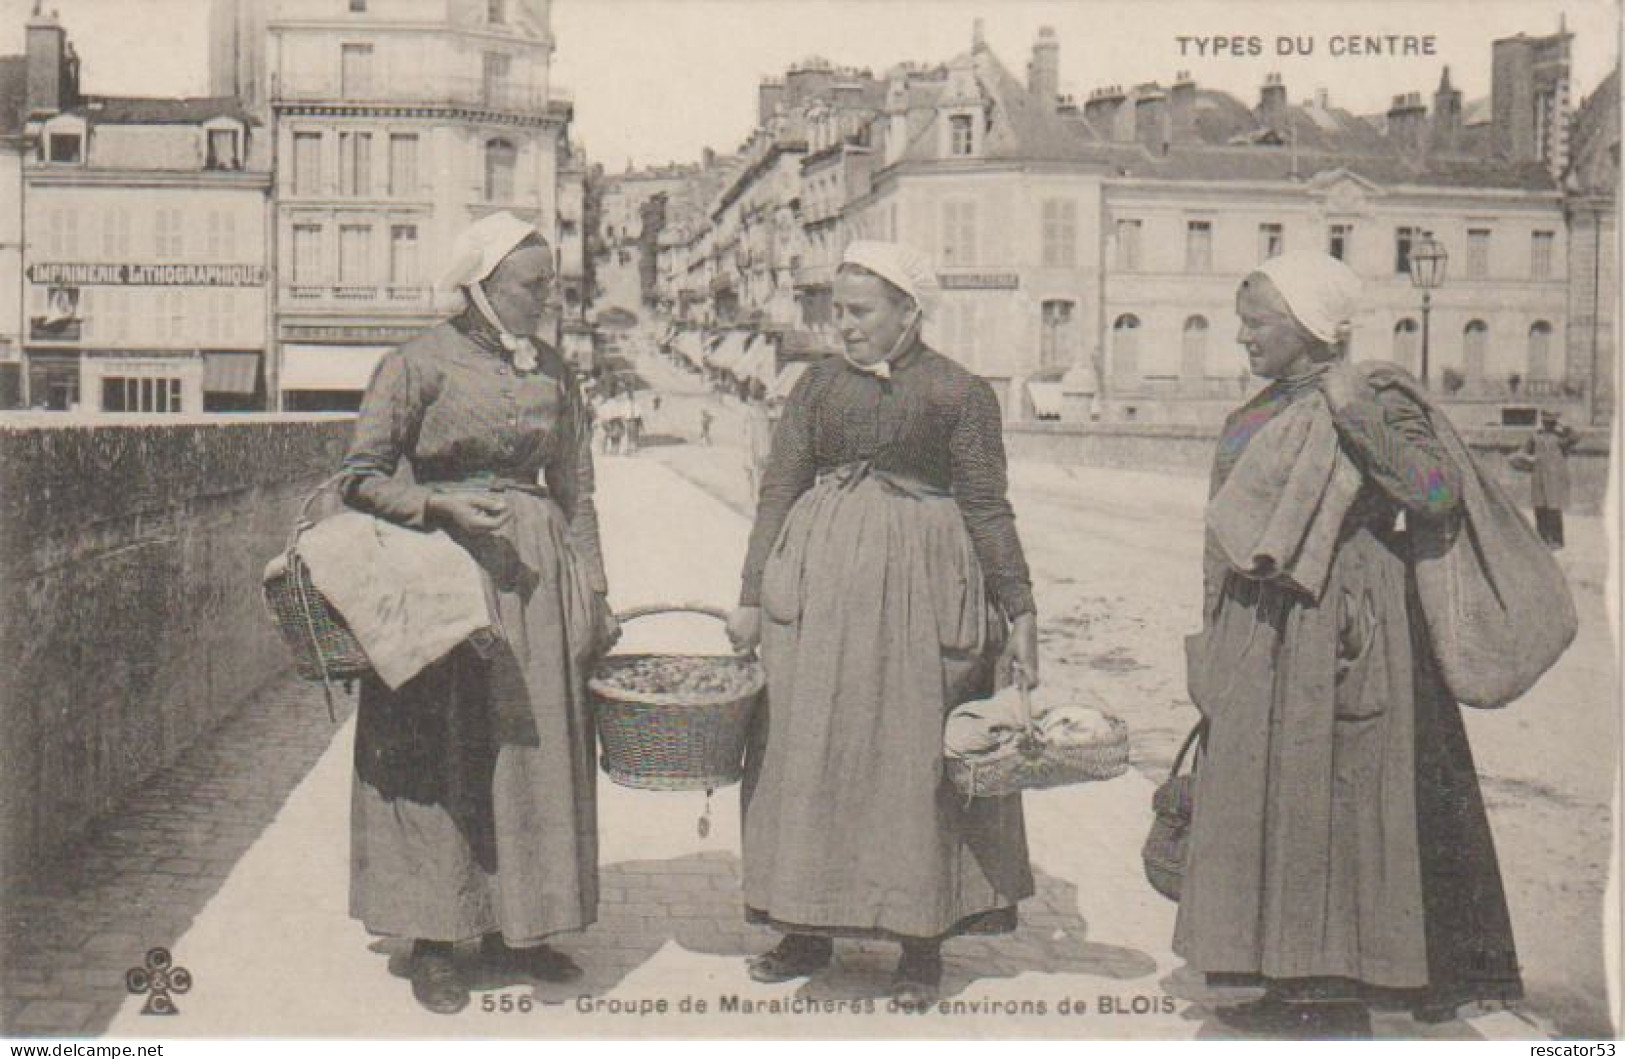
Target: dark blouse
x=454, y=406
x=932, y=421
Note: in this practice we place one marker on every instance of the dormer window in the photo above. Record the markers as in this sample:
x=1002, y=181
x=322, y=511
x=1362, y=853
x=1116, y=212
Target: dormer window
x=65, y=147
x=223, y=149
x=961, y=135
x=496, y=12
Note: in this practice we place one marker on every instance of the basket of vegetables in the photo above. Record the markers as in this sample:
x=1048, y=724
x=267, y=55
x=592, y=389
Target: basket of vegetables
x=674, y=722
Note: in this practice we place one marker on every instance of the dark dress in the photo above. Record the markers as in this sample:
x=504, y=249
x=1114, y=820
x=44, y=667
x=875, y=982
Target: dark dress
x=1549, y=485
x=1339, y=830
x=882, y=531
x=474, y=797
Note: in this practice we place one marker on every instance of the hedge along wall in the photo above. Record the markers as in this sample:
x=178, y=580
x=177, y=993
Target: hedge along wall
x=1189, y=451
x=131, y=553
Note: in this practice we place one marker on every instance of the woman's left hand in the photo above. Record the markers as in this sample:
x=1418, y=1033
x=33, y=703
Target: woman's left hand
x=1020, y=656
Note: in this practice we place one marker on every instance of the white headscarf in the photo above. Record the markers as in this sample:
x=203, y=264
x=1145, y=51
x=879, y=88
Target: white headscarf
x=477, y=252
x=903, y=267
x=1322, y=292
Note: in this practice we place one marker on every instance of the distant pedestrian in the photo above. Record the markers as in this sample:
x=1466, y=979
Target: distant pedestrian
x=1545, y=456
x=705, y=426
x=656, y=402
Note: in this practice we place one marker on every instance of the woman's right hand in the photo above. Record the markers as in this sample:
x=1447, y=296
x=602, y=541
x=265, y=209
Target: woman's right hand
x=470, y=512
x=745, y=629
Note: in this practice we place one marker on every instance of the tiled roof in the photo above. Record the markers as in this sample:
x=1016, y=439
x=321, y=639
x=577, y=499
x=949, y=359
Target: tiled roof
x=1208, y=163
x=140, y=110
x=1594, y=164
x=1228, y=141
x=13, y=93
x=1020, y=128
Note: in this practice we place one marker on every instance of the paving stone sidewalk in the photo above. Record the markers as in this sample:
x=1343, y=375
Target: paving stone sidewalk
x=140, y=877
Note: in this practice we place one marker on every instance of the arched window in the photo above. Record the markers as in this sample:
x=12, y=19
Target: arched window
x=1193, y=349
x=501, y=159
x=1475, y=337
x=1126, y=348
x=1407, y=343
x=1540, y=350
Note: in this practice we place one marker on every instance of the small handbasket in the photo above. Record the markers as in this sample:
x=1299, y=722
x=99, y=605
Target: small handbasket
x=1031, y=762
x=674, y=722
x=323, y=646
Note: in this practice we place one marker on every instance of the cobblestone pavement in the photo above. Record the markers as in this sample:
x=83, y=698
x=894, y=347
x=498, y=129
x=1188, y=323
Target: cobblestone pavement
x=236, y=860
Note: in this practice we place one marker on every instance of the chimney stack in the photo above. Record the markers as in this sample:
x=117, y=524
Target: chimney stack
x=769, y=98
x=1151, y=116
x=1100, y=110
x=896, y=118
x=978, y=36
x=1272, y=107
x=1182, y=108
x=53, y=71
x=1044, y=69
x=1407, y=123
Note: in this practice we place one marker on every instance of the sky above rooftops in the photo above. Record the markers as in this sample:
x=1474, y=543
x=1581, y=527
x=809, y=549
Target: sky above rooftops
x=658, y=80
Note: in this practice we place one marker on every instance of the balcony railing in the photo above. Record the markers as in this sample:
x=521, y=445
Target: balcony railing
x=1187, y=387
x=473, y=92
x=351, y=294
x=1503, y=389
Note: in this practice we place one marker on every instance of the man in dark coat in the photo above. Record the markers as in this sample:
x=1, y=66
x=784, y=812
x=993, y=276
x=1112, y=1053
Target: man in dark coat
x=1546, y=457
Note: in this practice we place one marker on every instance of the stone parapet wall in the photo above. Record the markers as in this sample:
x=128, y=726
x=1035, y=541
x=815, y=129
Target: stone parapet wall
x=1188, y=450
x=131, y=553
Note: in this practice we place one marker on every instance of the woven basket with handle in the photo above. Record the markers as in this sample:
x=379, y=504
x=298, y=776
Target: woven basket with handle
x=323, y=646
x=1030, y=762
x=674, y=740
x=1173, y=803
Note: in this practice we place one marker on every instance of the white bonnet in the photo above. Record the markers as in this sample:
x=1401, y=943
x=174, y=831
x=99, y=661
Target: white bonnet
x=1322, y=292
x=902, y=266
x=481, y=247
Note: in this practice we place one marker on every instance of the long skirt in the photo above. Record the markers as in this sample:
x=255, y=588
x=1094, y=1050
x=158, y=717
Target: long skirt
x=473, y=807
x=1339, y=830
x=876, y=623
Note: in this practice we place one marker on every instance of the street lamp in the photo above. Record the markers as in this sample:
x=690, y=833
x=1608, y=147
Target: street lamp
x=1428, y=263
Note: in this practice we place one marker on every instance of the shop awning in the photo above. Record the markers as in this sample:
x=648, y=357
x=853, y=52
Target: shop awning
x=759, y=364
x=1046, y=398
x=329, y=367
x=787, y=378
x=231, y=372
x=690, y=346
x=729, y=352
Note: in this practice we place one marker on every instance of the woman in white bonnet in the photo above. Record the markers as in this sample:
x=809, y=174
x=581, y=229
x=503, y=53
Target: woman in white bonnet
x=1340, y=854
x=474, y=813
x=883, y=571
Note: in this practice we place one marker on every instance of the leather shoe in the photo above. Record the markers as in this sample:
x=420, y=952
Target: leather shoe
x=796, y=956
x=918, y=981
x=541, y=962
x=1272, y=1016
x=438, y=985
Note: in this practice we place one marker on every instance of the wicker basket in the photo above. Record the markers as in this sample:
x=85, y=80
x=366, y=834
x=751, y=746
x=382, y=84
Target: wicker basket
x=660, y=741
x=323, y=646
x=1031, y=763
x=1172, y=805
